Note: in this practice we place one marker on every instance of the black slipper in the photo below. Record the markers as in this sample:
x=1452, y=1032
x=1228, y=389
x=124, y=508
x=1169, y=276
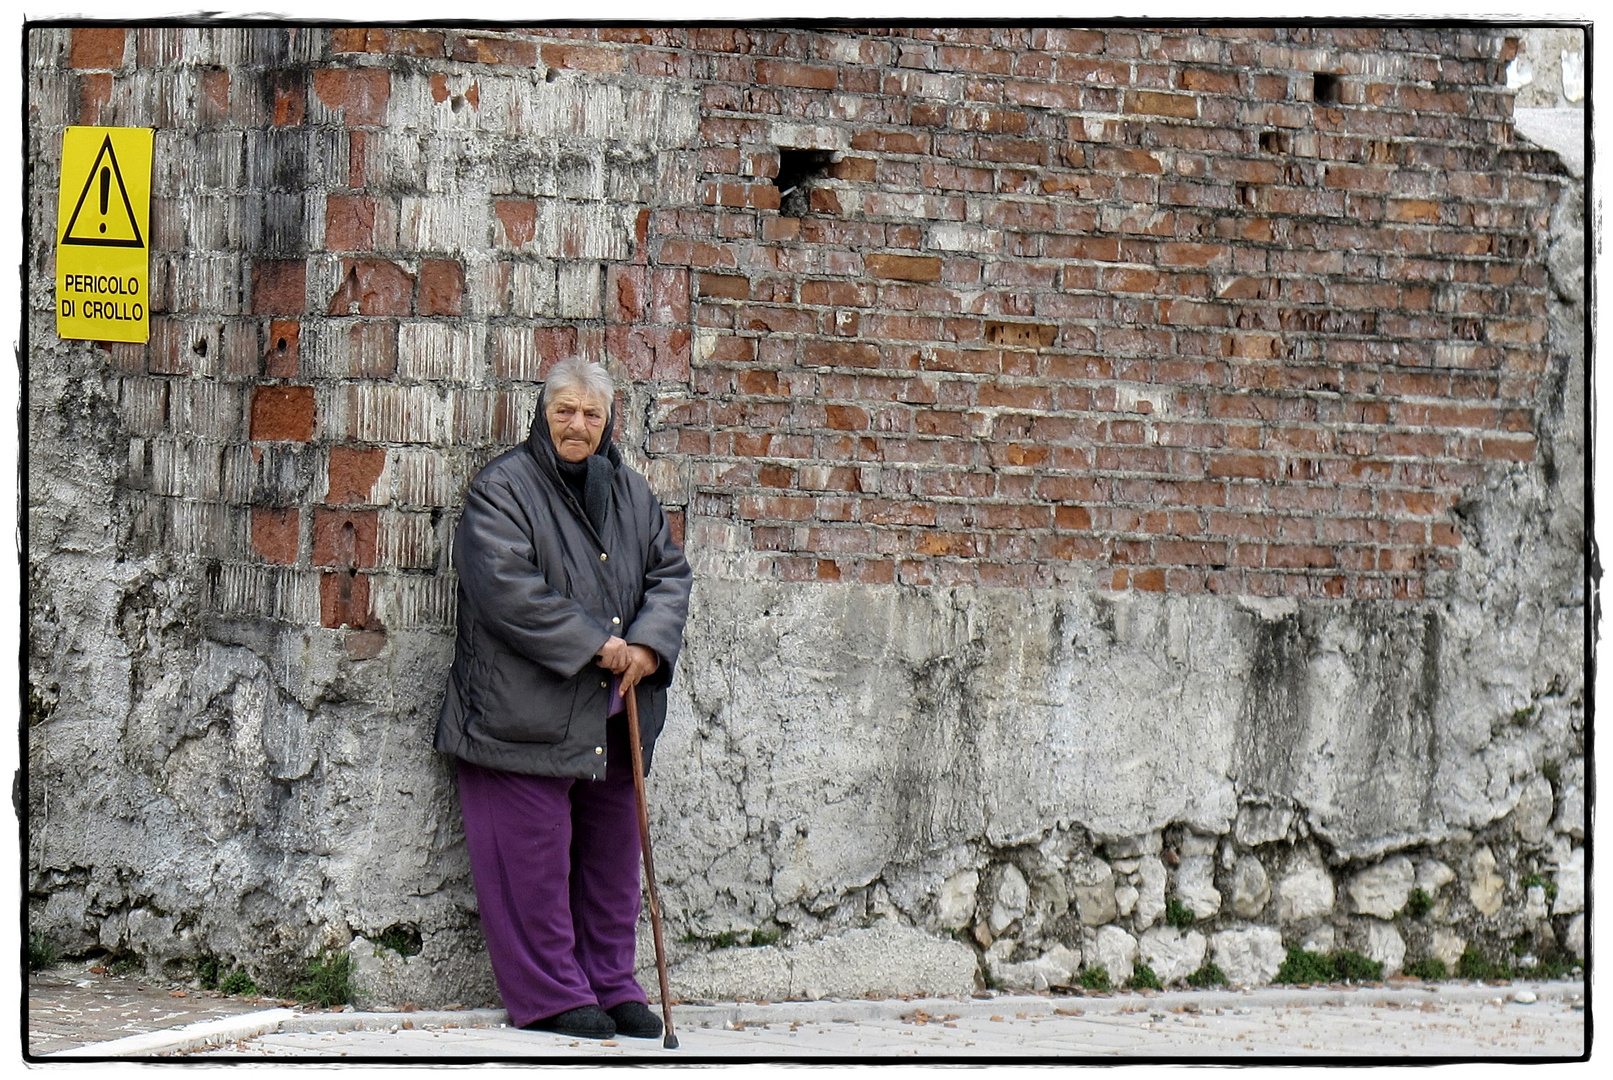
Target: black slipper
x=635, y=1020
x=583, y=1022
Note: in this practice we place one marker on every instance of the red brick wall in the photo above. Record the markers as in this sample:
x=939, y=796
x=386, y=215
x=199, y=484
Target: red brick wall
x=1157, y=312
x=1111, y=307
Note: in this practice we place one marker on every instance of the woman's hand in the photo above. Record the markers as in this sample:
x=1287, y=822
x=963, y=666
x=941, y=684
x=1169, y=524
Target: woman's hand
x=631, y=662
x=614, y=656
x=644, y=662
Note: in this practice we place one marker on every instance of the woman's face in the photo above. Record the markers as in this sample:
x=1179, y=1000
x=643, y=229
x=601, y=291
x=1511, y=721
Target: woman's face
x=576, y=423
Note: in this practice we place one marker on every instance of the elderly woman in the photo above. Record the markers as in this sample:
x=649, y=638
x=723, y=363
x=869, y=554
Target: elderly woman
x=572, y=593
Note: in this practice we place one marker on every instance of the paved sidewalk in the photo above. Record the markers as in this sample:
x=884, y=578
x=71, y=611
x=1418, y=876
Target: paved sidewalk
x=1408, y=1020
x=75, y=1003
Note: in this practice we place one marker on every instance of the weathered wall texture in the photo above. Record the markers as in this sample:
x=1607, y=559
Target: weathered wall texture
x=1119, y=466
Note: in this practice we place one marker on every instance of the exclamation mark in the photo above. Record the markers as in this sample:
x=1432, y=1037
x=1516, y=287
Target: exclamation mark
x=106, y=190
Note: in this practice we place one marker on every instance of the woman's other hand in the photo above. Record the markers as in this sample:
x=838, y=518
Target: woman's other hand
x=643, y=662
x=631, y=662
x=614, y=657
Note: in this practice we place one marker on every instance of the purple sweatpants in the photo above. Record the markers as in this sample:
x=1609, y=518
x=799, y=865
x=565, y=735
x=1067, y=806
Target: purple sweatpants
x=556, y=867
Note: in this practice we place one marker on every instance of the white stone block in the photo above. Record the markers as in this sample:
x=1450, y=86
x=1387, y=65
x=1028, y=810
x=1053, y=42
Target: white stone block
x=1116, y=953
x=1151, y=879
x=1249, y=957
x=1251, y=887
x=1570, y=884
x=1324, y=939
x=1433, y=875
x=956, y=904
x=1531, y=818
x=1172, y=954
x=1574, y=937
x=1013, y=896
x=1485, y=886
x=1382, y=890
x=1195, y=885
x=1057, y=966
x=1385, y=945
x=1448, y=946
x=1093, y=890
x=1305, y=894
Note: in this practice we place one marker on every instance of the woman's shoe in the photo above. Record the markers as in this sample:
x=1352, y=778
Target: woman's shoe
x=635, y=1020
x=583, y=1022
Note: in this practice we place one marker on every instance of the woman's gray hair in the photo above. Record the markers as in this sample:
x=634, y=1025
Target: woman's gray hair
x=585, y=376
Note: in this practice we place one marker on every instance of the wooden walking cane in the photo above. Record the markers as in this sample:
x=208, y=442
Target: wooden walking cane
x=671, y=1040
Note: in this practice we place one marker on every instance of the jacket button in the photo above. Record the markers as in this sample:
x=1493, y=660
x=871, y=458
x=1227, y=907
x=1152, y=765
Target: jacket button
x=615, y=620
x=599, y=749
x=605, y=682
x=603, y=556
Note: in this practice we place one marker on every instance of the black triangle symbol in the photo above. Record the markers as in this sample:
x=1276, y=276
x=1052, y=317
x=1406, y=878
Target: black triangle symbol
x=89, y=182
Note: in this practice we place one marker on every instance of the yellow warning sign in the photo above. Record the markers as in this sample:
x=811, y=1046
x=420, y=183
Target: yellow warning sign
x=102, y=229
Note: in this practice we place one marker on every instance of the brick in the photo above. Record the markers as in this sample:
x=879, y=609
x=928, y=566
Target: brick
x=626, y=293
x=403, y=42
x=358, y=39
x=480, y=49
x=1419, y=211
x=95, y=93
x=845, y=417
x=669, y=295
x=518, y=221
x=903, y=267
x=839, y=354
x=807, y=76
x=441, y=288
x=1150, y=580
x=349, y=223
x=776, y=507
x=97, y=47
x=280, y=355
x=352, y=472
x=582, y=58
x=344, y=600
x=290, y=98
x=724, y=286
x=279, y=287
x=360, y=93
x=282, y=413
x=1210, y=80
x=344, y=538
x=1150, y=103
x=1495, y=449
x=275, y=534
x=373, y=287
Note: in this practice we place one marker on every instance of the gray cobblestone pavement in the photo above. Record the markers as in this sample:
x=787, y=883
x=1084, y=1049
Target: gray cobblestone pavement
x=1403, y=1020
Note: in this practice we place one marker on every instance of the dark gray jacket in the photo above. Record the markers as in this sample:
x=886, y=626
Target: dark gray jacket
x=540, y=591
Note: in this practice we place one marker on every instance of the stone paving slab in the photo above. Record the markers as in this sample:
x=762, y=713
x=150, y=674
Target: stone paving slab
x=1418, y=1020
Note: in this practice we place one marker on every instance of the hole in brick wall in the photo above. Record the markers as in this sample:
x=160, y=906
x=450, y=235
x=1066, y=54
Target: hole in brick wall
x=1325, y=88
x=1273, y=142
x=551, y=75
x=797, y=169
x=200, y=348
x=280, y=344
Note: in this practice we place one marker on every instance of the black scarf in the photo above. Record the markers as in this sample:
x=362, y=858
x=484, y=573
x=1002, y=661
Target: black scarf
x=589, y=479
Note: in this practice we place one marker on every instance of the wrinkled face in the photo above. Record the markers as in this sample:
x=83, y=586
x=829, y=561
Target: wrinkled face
x=576, y=423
